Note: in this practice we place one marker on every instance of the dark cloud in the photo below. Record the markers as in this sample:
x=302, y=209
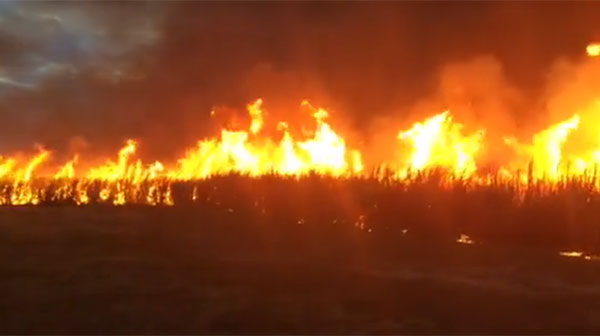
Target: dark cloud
x=39, y=40
x=66, y=66
x=104, y=71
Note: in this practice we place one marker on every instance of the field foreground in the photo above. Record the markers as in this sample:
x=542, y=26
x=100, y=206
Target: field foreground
x=198, y=270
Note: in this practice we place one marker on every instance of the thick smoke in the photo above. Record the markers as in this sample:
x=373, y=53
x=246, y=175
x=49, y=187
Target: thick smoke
x=378, y=66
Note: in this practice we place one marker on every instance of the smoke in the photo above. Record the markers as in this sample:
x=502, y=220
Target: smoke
x=378, y=66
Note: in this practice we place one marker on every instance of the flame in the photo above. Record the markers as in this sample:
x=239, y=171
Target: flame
x=572, y=254
x=263, y=148
x=26, y=174
x=68, y=170
x=547, y=147
x=327, y=150
x=439, y=142
x=114, y=171
x=6, y=166
x=465, y=239
x=579, y=254
x=24, y=192
x=593, y=49
x=256, y=114
x=546, y=152
x=248, y=153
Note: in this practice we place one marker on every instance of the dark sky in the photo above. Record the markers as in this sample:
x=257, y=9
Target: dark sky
x=106, y=71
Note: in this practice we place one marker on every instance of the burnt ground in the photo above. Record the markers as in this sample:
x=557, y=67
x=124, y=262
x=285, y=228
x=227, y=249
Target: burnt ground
x=136, y=269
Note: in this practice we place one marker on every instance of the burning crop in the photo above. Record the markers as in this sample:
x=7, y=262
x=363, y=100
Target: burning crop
x=439, y=142
x=129, y=180
x=440, y=147
x=246, y=152
x=436, y=144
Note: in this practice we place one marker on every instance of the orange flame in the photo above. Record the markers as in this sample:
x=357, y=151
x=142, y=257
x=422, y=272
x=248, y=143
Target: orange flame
x=246, y=153
x=439, y=142
x=68, y=170
x=546, y=151
x=436, y=142
x=593, y=49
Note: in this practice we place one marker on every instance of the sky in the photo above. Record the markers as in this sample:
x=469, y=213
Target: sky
x=90, y=75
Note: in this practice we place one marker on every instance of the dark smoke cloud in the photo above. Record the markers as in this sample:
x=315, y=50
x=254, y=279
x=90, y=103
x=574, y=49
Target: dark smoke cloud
x=98, y=73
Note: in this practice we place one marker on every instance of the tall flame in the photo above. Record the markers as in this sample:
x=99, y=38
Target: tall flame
x=256, y=114
x=439, y=142
x=436, y=142
x=34, y=164
x=6, y=166
x=68, y=170
x=546, y=151
x=250, y=154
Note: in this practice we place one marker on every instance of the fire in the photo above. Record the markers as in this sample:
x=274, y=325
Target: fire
x=68, y=170
x=579, y=254
x=127, y=179
x=465, y=239
x=572, y=254
x=114, y=171
x=547, y=147
x=21, y=180
x=250, y=153
x=593, y=49
x=256, y=114
x=439, y=142
x=326, y=151
x=264, y=148
x=26, y=174
x=546, y=152
x=6, y=166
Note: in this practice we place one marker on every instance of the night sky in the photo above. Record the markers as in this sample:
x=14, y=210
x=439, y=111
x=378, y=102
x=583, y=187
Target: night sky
x=97, y=73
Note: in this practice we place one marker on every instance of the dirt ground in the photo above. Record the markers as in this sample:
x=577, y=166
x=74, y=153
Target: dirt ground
x=142, y=270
